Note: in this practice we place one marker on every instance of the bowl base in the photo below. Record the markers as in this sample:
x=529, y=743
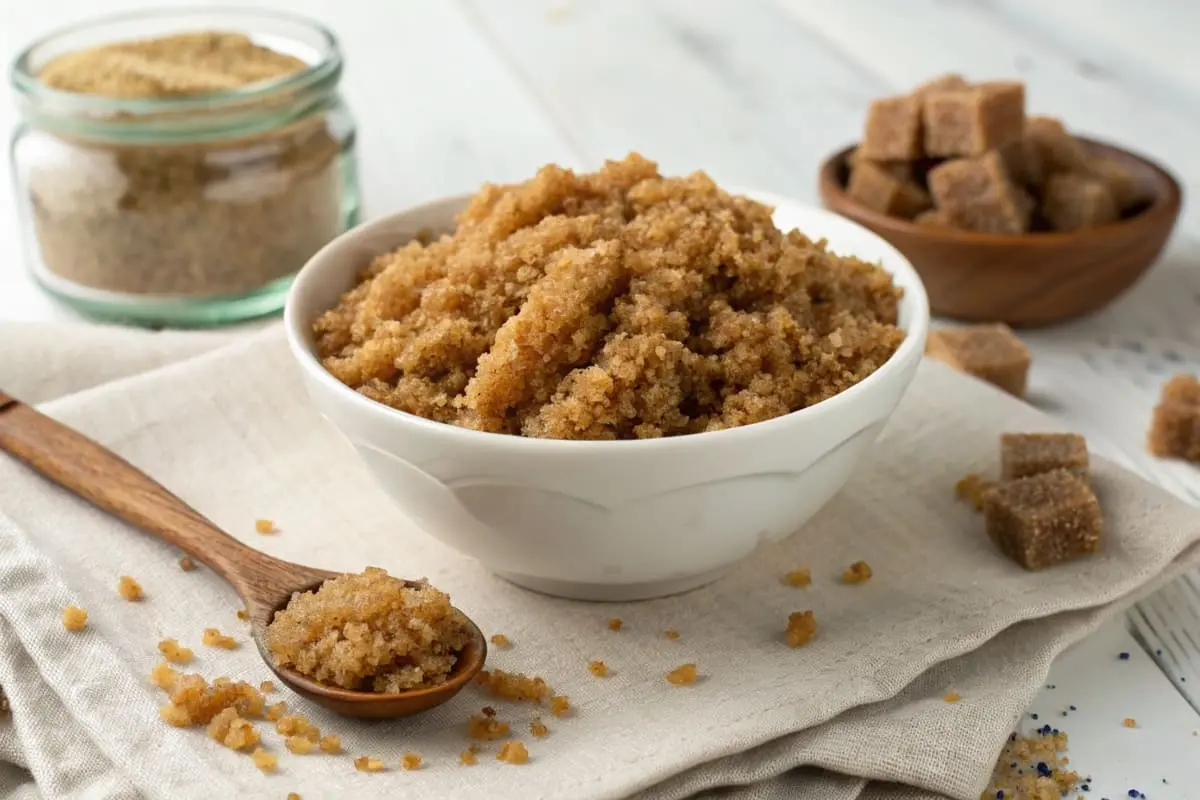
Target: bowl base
x=613, y=592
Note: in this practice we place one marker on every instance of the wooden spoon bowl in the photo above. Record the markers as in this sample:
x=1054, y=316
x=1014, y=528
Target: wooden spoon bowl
x=264, y=583
x=1027, y=280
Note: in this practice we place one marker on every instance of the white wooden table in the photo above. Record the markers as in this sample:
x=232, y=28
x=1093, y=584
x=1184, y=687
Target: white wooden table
x=450, y=93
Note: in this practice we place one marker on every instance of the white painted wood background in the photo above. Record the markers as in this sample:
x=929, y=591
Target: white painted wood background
x=450, y=93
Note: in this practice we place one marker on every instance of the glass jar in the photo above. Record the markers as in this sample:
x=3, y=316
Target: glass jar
x=184, y=210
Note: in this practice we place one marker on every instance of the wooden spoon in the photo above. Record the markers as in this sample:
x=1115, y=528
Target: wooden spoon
x=265, y=584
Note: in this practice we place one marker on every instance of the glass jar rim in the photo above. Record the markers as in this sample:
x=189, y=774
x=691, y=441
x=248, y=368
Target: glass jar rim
x=325, y=69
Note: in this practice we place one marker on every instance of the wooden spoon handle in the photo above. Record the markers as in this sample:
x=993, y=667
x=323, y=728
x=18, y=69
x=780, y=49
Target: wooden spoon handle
x=101, y=476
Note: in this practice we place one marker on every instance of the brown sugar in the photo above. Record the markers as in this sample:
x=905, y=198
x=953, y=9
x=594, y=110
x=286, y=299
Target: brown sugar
x=369, y=631
x=801, y=628
x=501, y=641
x=214, y=638
x=300, y=745
x=1023, y=162
x=486, y=728
x=951, y=696
x=368, y=764
x=195, y=701
x=410, y=761
x=467, y=758
x=228, y=728
x=1072, y=201
x=683, y=675
x=331, y=744
x=989, y=352
x=130, y=589
x=978, y=194
x=613, y=305
x=1025, y=454
x=893, y=130
x=950, y=81
x=971, y=489
x=268, y=763
x=798, y=577
x=933, y=218
x=293, y=796
x=615, y=624
x=971, y=121
x=858, y=572
x=538, y=729
x=1032, y=768
x=879, y=190
x=1117, y=178
x=1175, y=426
x=560, y=705
x=1129, y=722
x=598, y=668
x=513, y=685
x=298, y=726
x=276, y=711
x=264, y=526
x=1044, y=519
x=1059, y=150
x=74, y=618
x=175, y=653
x=186, y=564
x=513, y=752
x=266, y=687
x=900, y=170
x=671, y=634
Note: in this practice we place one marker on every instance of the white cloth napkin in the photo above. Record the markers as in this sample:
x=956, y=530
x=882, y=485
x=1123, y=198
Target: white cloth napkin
x=857, y=713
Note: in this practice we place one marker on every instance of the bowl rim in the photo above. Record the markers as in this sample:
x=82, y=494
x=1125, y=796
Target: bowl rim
x=911, y=349
x=1166, y=205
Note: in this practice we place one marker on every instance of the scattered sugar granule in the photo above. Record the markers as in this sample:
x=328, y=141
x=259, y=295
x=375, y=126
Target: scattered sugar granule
x=952, y=696
x=186, y=564
x=243, y=615
x=228, y=728
x=1129, y=722
x=798, y=578
x=276, y=711
x=672, y=634
x=293, y=796
x=683, y=675
x=501, y=641
x=163, y=676
x=513, y=685
x=971, y=488
x=560, y=705
x=266, y=687
x=513, y=752
x=172, y=651
x=74, y=618
x=368, y=764
x=598, y=668
x=297, y=725
x=858, y=572
x=538, y=729
x=264, y=526
x=801, y=628
x=130, y=589
x=486, y=727
x=410, y=761
x=214, y=638
x=267, y=763
x=467, y=757
x=615, y=624
x=331, y=744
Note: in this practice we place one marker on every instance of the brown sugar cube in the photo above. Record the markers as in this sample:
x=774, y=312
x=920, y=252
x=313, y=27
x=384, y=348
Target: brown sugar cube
x=933, y=218
x=1025, y=454
x=893, y=130
x=1044, y=519
x=1023, y=161
x=976, y=193
x=900, y=170
x=1072, y=201
x=880, y=191
x=989, y=352
x=949, y=81
x=1060, y=151
x=1175, y=427
x=969, y=122
x=1117, y=177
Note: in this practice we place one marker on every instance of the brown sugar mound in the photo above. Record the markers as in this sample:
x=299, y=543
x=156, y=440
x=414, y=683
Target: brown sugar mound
x=619, y=304
x=369, y=631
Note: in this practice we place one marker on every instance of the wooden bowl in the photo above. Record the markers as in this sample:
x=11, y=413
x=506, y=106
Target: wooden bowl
x=1027, y=280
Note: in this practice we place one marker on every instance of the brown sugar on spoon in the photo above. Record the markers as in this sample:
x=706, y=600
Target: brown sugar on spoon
x=369, y=632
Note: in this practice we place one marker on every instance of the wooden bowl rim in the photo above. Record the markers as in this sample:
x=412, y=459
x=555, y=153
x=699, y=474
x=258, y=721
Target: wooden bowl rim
x=1164, y=207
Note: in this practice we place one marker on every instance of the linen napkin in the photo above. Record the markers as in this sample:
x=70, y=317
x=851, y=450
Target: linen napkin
x=857, y=713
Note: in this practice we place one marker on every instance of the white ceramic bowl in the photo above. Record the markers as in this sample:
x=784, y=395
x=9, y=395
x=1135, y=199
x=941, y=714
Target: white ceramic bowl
x=620, y=520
